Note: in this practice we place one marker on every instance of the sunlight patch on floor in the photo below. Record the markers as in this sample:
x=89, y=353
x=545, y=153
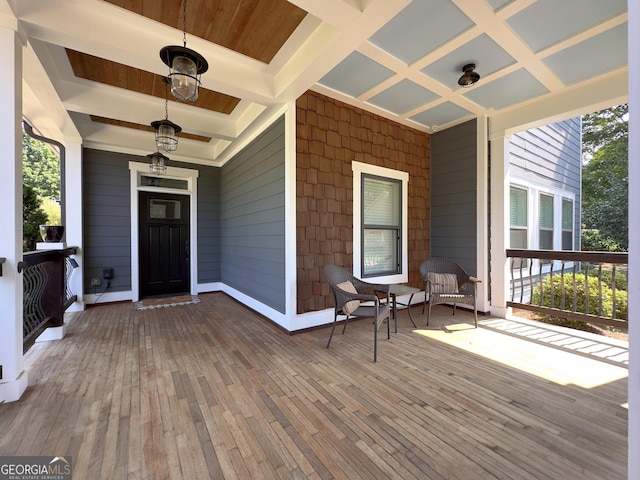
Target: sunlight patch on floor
x=552, y=364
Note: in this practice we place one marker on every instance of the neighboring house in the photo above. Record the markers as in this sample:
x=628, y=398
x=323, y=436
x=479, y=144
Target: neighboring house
x=545, y=187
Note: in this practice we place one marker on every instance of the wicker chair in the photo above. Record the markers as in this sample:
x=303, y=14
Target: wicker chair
x=447, y=282
x=348, y=292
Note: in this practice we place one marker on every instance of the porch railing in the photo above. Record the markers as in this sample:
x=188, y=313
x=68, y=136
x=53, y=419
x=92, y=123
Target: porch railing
x=585, y=286
x=46, y=291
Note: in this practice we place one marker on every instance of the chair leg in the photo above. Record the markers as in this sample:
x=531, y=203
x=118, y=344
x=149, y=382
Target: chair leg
x=428, y=314
x=475, y=314
x=425, y=301
x=344, y=327
x=333, y=327
x=389, y=327
x=454, y=308
x=375, y=340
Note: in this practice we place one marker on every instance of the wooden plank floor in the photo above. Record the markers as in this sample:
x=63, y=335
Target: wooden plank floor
x=214, y=391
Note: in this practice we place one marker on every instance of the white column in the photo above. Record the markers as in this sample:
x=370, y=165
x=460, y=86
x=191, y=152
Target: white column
x=499, y=224
x=482, y=213
x=14, y=378
x=634, y=242
x=73, y=215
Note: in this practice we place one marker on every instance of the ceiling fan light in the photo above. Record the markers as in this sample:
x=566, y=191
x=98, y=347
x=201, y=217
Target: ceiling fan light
x=469, y=77
x=166, y=135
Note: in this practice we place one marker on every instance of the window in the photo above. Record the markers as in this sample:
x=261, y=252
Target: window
x=567, y=224
x=546, y=222
x=380, y=218
x=518, y=218
x=381, y=225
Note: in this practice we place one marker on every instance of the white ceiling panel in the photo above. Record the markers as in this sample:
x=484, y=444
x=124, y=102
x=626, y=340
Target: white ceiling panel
x=547, y=22
x=403, y=97
x=578, y=63
x=443, y=114
x=513, y=88
x=420, y=28
x=355, y=75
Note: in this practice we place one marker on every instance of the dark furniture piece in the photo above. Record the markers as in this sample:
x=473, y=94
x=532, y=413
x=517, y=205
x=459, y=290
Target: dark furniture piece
x=348, y=293
x=447, y=282
x=398, y=289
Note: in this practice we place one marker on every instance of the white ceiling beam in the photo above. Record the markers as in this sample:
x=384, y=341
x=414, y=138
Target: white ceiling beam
x=589, y=96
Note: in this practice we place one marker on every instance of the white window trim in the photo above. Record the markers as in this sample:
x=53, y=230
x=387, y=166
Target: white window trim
x=359, y=169
x=533, y=202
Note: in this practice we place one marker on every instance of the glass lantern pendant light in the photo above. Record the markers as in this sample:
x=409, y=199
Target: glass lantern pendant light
x=166, y=130
x=185, y=66
x=158, y=163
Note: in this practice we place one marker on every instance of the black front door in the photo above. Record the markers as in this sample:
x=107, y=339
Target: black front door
x=163, y=244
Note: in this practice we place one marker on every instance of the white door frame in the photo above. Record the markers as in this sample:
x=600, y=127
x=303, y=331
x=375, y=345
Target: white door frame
x=137, y=170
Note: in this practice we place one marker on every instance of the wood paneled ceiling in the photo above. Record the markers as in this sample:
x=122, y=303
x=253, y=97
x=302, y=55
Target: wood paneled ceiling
x=117, y=75
x=255, y=28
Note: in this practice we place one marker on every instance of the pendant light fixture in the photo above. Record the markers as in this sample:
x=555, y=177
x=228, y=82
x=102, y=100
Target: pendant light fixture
x=158, y=165
x=469, y=77
x=185, y=65
x=166, y=130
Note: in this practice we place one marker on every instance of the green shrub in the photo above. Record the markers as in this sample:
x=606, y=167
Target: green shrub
x=621, y=277
x=544, y=289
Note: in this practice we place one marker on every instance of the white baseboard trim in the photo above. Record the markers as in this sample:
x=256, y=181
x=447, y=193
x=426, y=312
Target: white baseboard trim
x=11, y=391
x=52, y=333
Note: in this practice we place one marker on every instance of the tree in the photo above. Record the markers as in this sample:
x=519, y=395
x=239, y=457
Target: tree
x=41, y=167
x=602, y=128
x=33, y=217
x=605, y=179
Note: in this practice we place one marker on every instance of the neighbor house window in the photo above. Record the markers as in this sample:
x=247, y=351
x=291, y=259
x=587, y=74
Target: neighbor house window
x=381, y=225
x=518, y=218
x=567, y=224
x=546, y=222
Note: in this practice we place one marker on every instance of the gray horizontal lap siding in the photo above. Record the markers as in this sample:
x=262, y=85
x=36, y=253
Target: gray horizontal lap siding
x=106, y=219
x=253, y=219
x=209, y=267
x=551, y=156
x=454, y=195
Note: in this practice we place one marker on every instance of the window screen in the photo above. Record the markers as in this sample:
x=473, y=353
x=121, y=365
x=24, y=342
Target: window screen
x=546, y=222
x=567, y=224
x=518, y=217
x=381, y=225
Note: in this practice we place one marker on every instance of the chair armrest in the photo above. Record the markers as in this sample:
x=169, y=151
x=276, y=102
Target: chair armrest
x=475, y=280
x=361, y=285
x=344, y=296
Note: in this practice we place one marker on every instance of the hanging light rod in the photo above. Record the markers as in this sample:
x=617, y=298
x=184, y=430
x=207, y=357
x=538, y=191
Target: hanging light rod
x=185, y=65
x=166, y=130
x=469, y=77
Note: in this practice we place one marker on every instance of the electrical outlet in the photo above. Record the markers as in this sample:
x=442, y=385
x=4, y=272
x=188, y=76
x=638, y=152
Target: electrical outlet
x=96, y=282
x=107, y=273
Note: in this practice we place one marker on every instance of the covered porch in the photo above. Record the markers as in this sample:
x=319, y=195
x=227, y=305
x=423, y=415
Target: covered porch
x=212, y=390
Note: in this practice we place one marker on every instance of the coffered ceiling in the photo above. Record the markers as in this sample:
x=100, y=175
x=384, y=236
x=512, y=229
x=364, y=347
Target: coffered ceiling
x=92, y=67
